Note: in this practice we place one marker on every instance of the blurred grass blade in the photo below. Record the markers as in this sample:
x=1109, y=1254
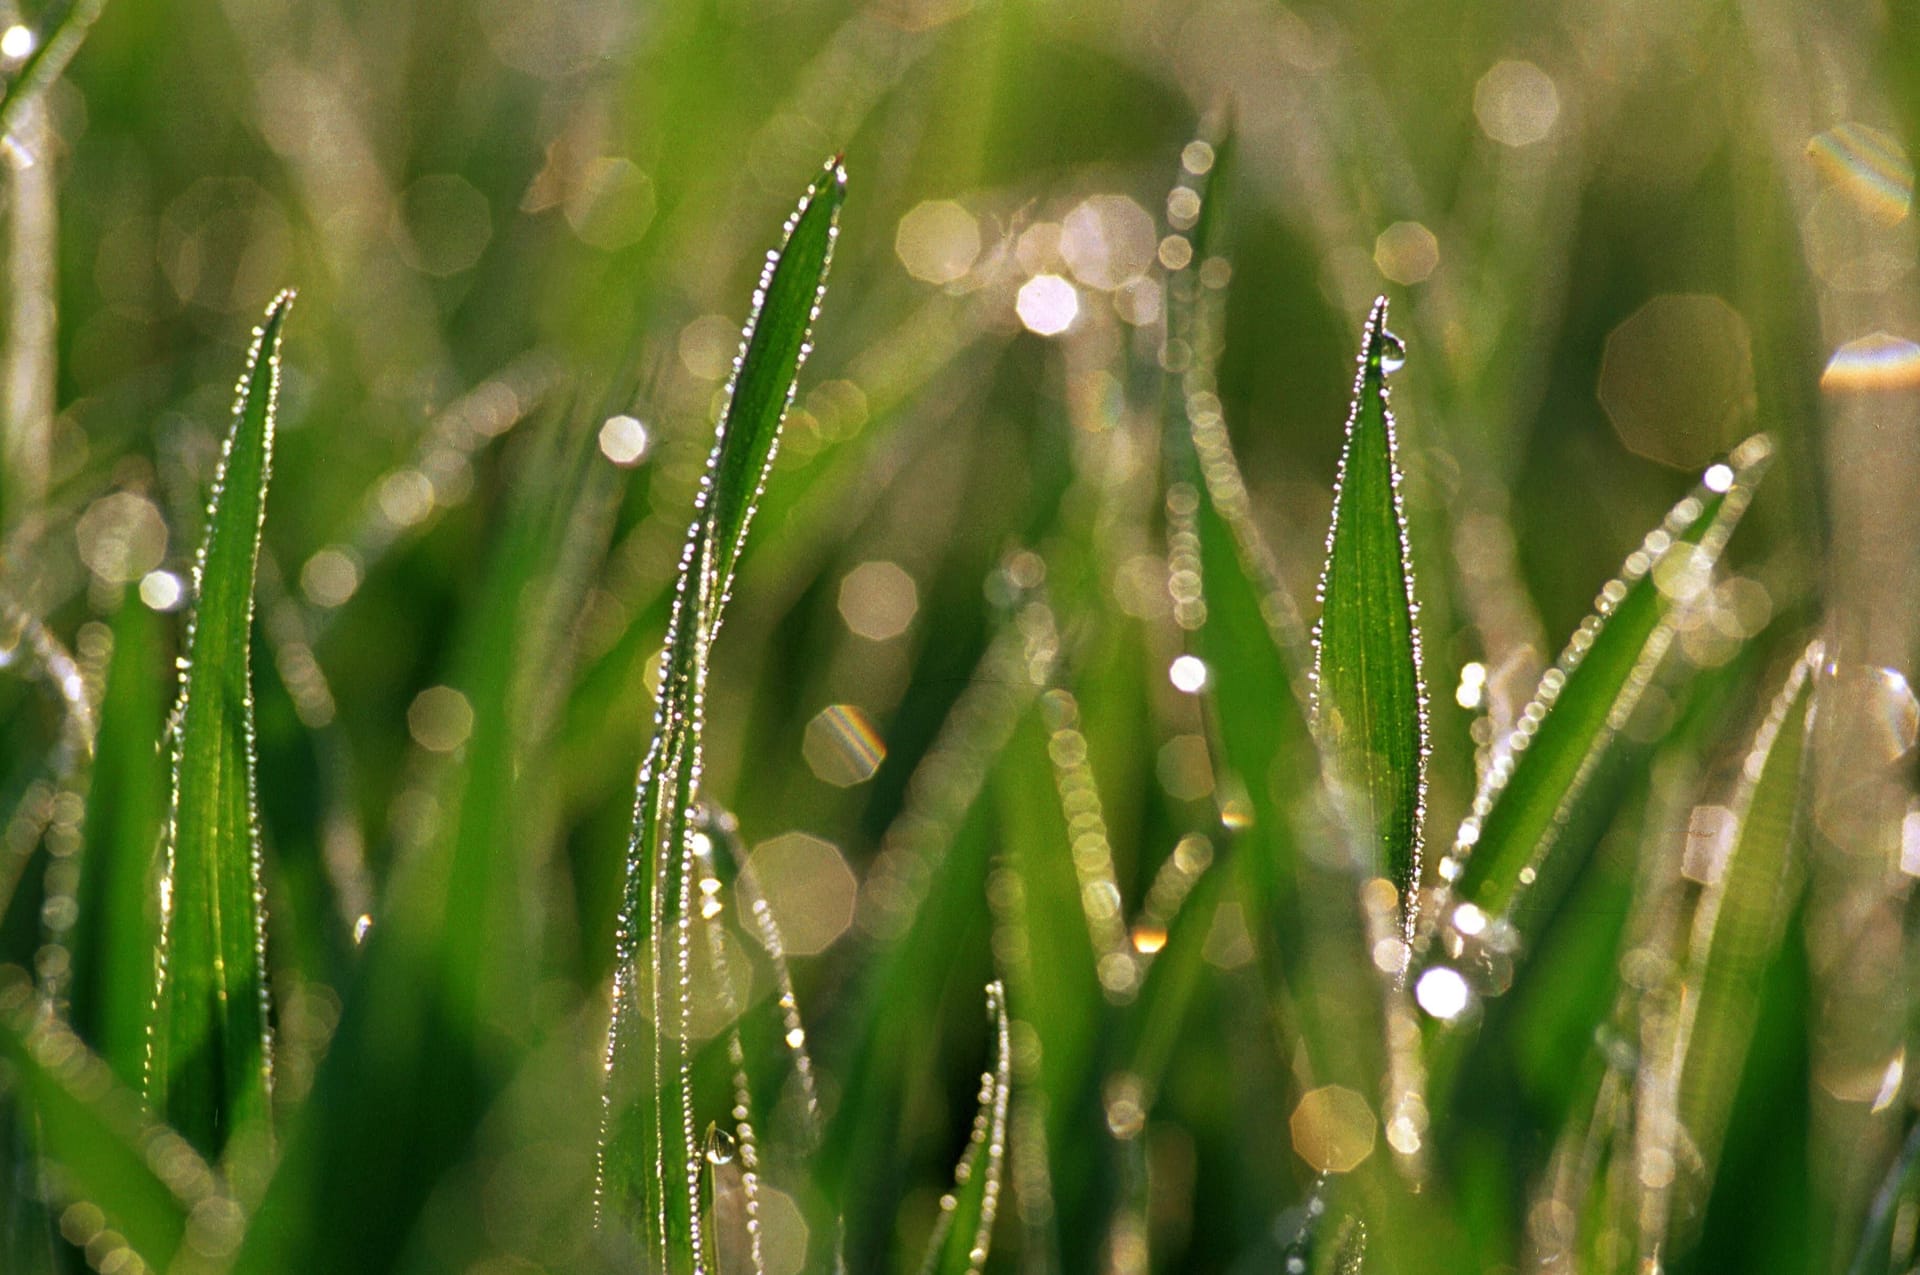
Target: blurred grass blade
x=964, y=1234
x=48, y=60
x=1370, y=706
x=649, y=1163
x=116, y=926
x=1886, y=1240
x=1537, y=775
x=442, y=1002
x=142, y=1181
x=1742, y=913
x=920, y=907
x=209, y=1066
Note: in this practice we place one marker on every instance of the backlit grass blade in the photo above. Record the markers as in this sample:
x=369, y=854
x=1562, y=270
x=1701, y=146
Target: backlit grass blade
x=963, y=1236
x=649, y=1160
x=1742, y=913
x=209, y=1065
x=1536, y=776
x=1370, y=707
x=52, y=50
x=138, y=1181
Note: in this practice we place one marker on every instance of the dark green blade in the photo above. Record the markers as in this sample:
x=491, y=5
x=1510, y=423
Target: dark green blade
x=118, y=921
x=209, y=1070
x=649, y=1157
x=1370, y=707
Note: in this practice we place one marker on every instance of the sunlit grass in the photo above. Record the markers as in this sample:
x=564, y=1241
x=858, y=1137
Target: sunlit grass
x=481, y=910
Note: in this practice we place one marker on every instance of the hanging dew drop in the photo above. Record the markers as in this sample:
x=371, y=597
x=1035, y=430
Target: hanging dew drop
x=720, y=1146
x=1393, y=352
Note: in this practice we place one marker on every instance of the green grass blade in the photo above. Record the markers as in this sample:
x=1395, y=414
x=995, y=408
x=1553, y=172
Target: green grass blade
x=777, y=340
x=1530, y=788
x=649, y=1160
x=209, y=1069
x=116, y=928
x=440, y=1003
x=141, y=1181
x=963, y=1236
x=49, y=59
x=1370, y=706
x=1742, y=914
x=1881, y=1244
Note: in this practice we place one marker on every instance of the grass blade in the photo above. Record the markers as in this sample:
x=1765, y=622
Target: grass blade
x=649, y=1161
x=114, y=933
x=1742, y=913
x=140, y=1180
x=1530, y=788
x=209, y=1065
x=964, y=1234
x=1370, y=705
x=49, y=59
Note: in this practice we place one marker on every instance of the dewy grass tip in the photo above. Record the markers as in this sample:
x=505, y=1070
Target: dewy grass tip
x=1370, y=700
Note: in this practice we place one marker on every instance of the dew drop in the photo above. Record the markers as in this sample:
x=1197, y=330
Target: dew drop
x=1393, y=352
x=720, y=1146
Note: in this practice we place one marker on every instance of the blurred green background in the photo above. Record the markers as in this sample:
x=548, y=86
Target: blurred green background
x=1618, y=237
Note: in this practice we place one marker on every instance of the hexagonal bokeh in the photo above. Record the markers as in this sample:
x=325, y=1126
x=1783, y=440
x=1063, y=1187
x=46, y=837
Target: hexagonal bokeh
x=1333, y=1129
x=1677, y=379
x=809, y=889
x=842, y=746
x=878, y=600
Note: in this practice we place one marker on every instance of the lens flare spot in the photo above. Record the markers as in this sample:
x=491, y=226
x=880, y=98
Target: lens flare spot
x=937, y=241
x=1869, y=166
x=1047, y=305
x=1873, y=364
x=809, y=891
x=1443, y=993
x=623, y=440
x=842, y=747
x=1516, y=103
x=878, y=600
x=1188, y=673
x=1333, y=1129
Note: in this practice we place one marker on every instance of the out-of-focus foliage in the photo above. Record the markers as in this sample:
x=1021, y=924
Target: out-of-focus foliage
x=1014, y=692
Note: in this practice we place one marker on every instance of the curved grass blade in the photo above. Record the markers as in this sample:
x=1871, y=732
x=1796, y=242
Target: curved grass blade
x=1370, y=702
x=964, y=1234
x=649, y=1170
x=143, y=1181
x=209, y=1062
x=1530, y=789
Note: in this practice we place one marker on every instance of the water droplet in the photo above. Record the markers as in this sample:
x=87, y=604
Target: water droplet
x=720, y=1146
x=1393, y=352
